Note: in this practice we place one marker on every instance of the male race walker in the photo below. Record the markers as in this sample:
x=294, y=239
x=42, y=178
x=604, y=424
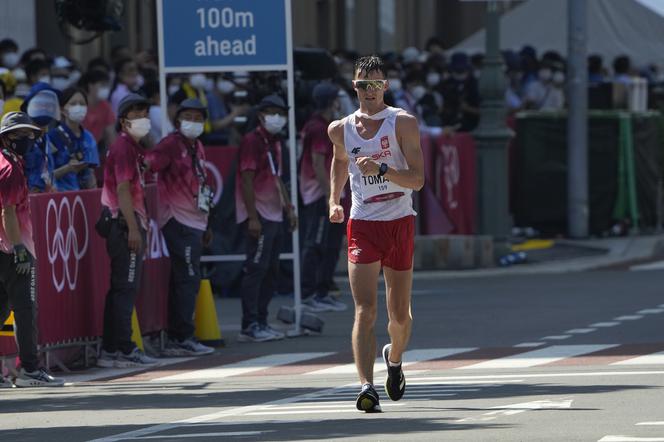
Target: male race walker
x=379, y=147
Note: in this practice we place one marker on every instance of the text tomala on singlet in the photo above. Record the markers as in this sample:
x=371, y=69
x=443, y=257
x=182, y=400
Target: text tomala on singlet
x=374, y=179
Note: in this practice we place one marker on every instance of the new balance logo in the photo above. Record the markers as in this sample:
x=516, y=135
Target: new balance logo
x=356, y=150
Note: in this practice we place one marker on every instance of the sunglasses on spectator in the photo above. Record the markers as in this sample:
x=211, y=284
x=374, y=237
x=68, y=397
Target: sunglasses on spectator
x=370, y=85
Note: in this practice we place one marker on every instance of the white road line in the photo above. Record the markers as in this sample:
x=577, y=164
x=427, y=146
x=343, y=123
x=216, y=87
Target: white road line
x=650, y=311
x=529, y=344
x=191, y=435
x=347, y=409
x=657, y=265
x=410, y=357
x=581, y=331
x=651, y=423
x=538, y=357
x=501, y=378
x=605, y=324
x=654, y=358
x=242, y=367
x=630, y=439
x=556, y=337
x=628, y=318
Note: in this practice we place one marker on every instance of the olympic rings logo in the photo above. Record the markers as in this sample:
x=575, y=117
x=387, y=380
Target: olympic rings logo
x=66, y=243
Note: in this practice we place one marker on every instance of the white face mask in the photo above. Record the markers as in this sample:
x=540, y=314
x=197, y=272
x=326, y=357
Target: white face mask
x=74, y=77
x=172, y=89
x=418, y=92
x=545, y=74
x=198, y=81
x=139, y=127
x=77, y=112
x=559, y=77
x=103, y=93
x=433, y=78
x=45, y=79
x=274, y=123
x=191, y=129
x=395, y=84
x=60, y=83
x=225, y=86
x=10, y=59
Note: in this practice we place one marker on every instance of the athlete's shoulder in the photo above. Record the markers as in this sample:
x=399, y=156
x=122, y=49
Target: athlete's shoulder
x=335, y=130
x=406, y=120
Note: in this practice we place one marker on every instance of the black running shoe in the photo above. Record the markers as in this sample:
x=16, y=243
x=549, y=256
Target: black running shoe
x=367, y=400
x=395, y=384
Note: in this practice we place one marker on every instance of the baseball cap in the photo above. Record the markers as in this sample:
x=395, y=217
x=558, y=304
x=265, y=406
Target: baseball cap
x=272, y=100
x=191, y=103
x=42, y=104
x=16, y=120
x=130, y=101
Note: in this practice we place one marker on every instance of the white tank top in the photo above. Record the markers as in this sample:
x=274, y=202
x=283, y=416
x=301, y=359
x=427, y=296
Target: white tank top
x=375, y=198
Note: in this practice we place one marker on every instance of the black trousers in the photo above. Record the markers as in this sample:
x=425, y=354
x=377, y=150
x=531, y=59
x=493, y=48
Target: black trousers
x=321, y=243
x=260, y=272
x=185, y=246
x=126, y=269
x=17, y=292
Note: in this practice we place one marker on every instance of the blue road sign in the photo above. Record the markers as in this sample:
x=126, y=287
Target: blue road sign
x=210, y=33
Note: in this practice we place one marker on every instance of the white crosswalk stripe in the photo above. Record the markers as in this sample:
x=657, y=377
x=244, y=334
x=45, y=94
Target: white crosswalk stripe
x=410, y=357
x=538, y=357
x=244, y=367
x=654, y=358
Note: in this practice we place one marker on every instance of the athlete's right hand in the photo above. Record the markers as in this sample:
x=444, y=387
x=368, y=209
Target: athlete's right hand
x=254, y=227
x=336, y=213
x=23, y=259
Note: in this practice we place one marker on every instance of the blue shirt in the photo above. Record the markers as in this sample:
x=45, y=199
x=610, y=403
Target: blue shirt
x=68, y=146
x=39, y=165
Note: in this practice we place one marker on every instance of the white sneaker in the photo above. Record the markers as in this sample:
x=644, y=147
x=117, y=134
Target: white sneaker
x=106, y=359
x=332, y=304
x=313, y=305
x=134, y=359
x=37, y=378
x=254, y=333
x=5, y=382
x=188, y=347
x=276, y=333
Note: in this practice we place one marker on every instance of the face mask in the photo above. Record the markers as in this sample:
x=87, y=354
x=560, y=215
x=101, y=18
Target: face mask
x=10, y=59
x=139, y=127
x=395, y=84
x=74, y=77
x=559, y=77
x=45, y=79
x=77, y=112
x=198, y=81
x=433, y=78
x=225, y=86
x=22, y=145
x=172, y=89
x=60, y=83
x=545, y=74
x=191, y=129
x=418, y=92
x=19, y=75
x=103, y=92
x=274, y=123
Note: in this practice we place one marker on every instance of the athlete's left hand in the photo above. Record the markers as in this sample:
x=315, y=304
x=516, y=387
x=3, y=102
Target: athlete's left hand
x=367, y=166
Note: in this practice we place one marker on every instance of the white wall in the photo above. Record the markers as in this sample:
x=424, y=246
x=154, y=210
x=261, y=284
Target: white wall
x=17, y=21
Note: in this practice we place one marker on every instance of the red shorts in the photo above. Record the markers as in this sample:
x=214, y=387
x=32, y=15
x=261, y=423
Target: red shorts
x=390, y=242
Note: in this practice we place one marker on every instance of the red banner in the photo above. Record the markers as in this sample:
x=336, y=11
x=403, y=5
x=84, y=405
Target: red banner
x=455, y=185
x=73, y=272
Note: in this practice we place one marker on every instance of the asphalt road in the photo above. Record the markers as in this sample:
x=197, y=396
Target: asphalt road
x=537, y=357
